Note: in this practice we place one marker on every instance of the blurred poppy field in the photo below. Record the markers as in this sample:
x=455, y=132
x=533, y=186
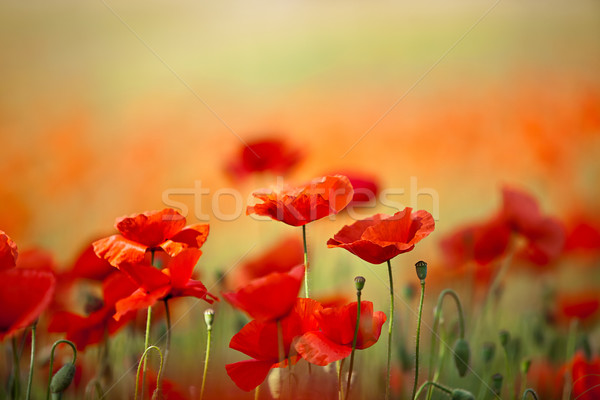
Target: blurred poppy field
x=300, y=200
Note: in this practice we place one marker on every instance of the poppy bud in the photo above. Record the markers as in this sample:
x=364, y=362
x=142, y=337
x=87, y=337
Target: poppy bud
x=489, y=351
x=504, y=338
x=497, y=383
x=359, y=282
x=209, y=316
x=460, y=394
x=462, y=354
x=421, y=267
x=62, y=378
x=525, y=366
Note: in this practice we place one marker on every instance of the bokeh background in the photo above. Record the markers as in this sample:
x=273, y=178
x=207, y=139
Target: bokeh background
x=105, y=105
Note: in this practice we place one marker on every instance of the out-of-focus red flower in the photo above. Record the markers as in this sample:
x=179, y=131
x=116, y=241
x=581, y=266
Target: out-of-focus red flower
x=545, y=379
x=270, y=297
x=365, y=187
x=259, y=340
x=154, y=284
x=170, y=390
x=89, y=266
x=267, y=155
x=334, y=340
x=24, y=295
x=153, y=230
x=301, y=205
x=282, y=257
x=583, y=305
x=88, y=330
x=583, y=235
x=8, y=252
x=585, y=376
x=381, y=237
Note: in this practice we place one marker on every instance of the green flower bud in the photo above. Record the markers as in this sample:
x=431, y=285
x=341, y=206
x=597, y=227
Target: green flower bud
x=488, y=352
x=497, y=383
x=504, y=338
x=462, y=354
x=525, y=365
x=359, y=282
x=209, y=317
x=460, y=394
x=421, y=267
x=62, y=378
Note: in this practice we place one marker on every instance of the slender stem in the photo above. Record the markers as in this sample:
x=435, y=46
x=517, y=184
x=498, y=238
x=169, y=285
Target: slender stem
x=208, y=336
x=16, y=382
x=434, y=335
x=434, y=384
x=256, y=392
x=305, y=262
x=281, y=354
x=147, y=335
x=510, y=384
x=142, y=361
x=52, y=361
x=340, y=367
x=570, y=350
x=356, y=327
x=168, y=338
x=532, y=392
x=390, y=326
x=418, y=335
x=32, y=360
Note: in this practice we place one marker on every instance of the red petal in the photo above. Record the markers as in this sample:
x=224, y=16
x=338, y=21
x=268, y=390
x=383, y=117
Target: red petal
x=24, y=295
x=138, y=300
x=182, y=266
x=248, y=340
x=146, y=276
x=192, y=236
x=248, y=374
x=520, y=209
x=89, y=266
x=151, y=228
x=317, y=349
x=116, y=287
x=8, y=252
x=118, y=250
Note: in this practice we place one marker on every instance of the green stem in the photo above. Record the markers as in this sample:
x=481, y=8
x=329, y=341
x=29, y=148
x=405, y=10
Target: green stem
x=340, y=367
x=356, y=327
x=533, y=394
x=570, y=350
x=16, y=378
x=168, y=338
x=208, y=336
x=434, y=384
x=436, y=322
x=510, y=384
x=418, y=335
x=32, y=360
x=305, y=261
x=52, y=361
x=147, y=336
x=391, y=324
x=142, y=361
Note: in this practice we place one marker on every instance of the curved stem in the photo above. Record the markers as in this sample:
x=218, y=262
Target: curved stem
x=418, y=335
x=356, y=327
x=142, y=361
x=434, y=384
x=208, y=336
x=52, y=361
x=32, y=360
x=533, y=394
x=436, y=322
x=305, y=261
x=391, y=324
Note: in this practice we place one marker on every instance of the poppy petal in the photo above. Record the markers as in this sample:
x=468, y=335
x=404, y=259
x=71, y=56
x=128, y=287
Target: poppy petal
x=182, y=266
x=117, y=250
x=8, y=252
x=138, y=300
x=151, y=228
x=192, y=236
x=317, y=349
x=248, y=374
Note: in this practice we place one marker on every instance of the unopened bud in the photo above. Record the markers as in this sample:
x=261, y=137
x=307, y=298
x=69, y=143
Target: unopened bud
x=497, y=383
x=504, y=338
x=525, y=365
x=462, y=354
x=461, y=394
x=421, y=267
x=209, y=317
x=62, y=378
x=359, y=283
x=488, y=352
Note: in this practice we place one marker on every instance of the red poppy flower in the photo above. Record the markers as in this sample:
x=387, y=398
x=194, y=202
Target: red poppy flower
x=154, y=284
x=586, y=377
x=259, y=341
x=299, y=206
x=8, y=252
x=151, y=230
x=88, y=330
x=583, y=305
x=89, y=266
x=584, y=235
x=365, y=187
x=267, y=155
x=546, y=379
x=282, y=257
x=270, y=297
x=381, y=237
x=24, y=295
x=334, y=340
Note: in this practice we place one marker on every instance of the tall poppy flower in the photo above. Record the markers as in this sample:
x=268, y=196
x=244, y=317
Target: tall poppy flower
x=8, y=252
x=337, y=325
x=379, y=238
x=265, y=155
x=259, y=340
x=154, y=284
x=586, y=377
x=300, y=205
x=91, y=329
x=270, y=297
x=153, y=230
